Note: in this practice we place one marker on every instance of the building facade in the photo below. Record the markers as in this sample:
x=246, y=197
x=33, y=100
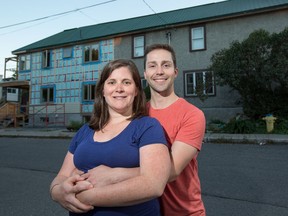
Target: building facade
x=63, y=69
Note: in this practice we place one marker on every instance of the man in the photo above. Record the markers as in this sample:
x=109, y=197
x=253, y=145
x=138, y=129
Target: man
x=185, y=128
x=184, y=125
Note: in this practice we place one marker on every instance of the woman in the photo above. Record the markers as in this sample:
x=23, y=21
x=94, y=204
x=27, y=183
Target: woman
x=119, y=134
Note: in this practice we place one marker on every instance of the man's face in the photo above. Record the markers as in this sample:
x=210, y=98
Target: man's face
x=160, y=71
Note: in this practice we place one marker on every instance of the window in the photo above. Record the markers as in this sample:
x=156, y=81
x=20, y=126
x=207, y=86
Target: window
x=46, y=59
x=199, y=83
x=25, y=62
x=144, y=83
x=146, y=89
x=11, y=90
x=91, y=53
x=89, y=91
x=138, y=46
x=198, y=38
x=47, y=94
x=67, y=52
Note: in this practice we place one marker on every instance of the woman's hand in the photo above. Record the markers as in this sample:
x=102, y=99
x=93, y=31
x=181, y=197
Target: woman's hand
x=65, y=193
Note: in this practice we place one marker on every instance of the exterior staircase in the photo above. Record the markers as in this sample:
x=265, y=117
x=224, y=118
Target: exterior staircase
x=10, y=114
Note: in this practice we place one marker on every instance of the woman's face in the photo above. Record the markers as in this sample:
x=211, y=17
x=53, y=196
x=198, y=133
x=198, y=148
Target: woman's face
x=119, y=91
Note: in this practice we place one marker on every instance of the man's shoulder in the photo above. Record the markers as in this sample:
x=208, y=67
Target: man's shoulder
x=182, y=103
x=189, y=110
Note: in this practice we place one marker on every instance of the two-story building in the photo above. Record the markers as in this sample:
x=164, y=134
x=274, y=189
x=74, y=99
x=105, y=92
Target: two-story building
x=61, y=70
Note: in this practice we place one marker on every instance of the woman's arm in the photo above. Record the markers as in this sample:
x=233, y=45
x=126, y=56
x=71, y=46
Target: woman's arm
x=153, y=175
x=64, y=187
x=103, y=175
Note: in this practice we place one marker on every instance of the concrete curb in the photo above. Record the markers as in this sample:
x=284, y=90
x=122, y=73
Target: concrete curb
x=37, y=133
x=63, y=133
x=260, y=139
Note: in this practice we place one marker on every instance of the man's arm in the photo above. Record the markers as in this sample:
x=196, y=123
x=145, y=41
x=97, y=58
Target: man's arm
x=181, y=155
x=191, y=134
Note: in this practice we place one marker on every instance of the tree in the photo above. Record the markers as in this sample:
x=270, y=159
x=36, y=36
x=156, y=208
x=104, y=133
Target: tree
x=257, y=68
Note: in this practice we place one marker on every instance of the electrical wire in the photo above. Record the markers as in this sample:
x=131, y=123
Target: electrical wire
x=31, y=26
x=63, y=13
x=155, y=12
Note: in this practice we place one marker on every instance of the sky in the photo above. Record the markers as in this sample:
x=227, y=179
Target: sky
x=25, y=22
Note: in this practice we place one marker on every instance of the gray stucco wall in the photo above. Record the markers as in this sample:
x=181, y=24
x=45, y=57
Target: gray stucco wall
x=219, y=35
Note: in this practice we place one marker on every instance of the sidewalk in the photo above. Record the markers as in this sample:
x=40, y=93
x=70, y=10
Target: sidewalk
x=260, y=139
x=37, y=132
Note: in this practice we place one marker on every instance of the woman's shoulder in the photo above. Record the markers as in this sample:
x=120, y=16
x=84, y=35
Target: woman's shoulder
x=83, y=133
x=85, y=128
x=146, y=121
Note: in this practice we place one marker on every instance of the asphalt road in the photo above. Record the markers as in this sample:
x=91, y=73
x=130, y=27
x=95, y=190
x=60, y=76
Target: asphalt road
x=237, y=179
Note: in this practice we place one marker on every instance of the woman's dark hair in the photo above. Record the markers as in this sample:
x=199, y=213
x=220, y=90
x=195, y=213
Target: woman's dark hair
x=100, y=115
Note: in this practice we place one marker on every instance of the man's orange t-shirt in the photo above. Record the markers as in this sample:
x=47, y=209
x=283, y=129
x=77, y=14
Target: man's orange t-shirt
x=183, y=122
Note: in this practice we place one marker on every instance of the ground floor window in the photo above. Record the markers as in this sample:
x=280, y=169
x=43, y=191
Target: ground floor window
x=199, y=83
x=47, y=94
x=89, y=91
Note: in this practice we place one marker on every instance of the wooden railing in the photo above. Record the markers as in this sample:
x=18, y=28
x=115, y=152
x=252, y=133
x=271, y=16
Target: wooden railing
x=10, y=113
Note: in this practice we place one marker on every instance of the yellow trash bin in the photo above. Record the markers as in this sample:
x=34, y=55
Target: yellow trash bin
x=270, y=120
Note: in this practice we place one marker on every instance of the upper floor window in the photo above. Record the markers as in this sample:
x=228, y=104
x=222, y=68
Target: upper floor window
x=199, y=83
x=25, y=62
x=67, y=52
x=89, y=91
x=46, y=59
x=138, y=46
x=198, y=40
x=47, y=94
x=91, y=53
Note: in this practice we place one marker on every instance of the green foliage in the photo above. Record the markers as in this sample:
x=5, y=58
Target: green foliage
x=74, y=125
x=147, y=93
x=257, y=68
x=244, y=125
x=215, y=125
x=240, y=126
x=281, y=126
x=217, y=121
